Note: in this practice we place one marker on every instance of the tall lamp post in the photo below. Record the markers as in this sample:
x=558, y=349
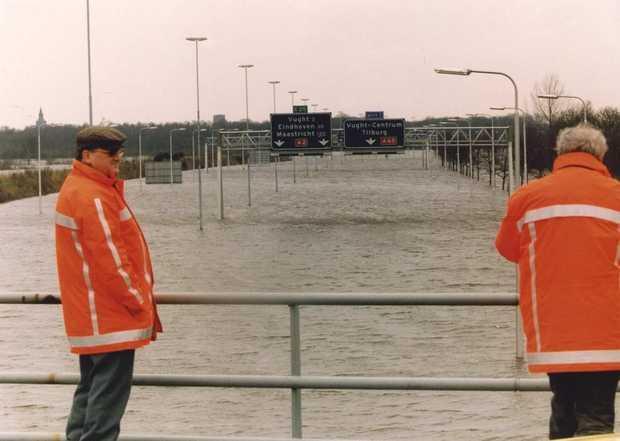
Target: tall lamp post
x=467, y=72
x=305, y=100
x=525, y=177
x=194, y=130
x=273, y=83
x=90, y=94
x=182, y=129
x=143, y=129
x=292, y=92
x=197, y=40
x=245, y=67
x=583, y=103
x=40, y=123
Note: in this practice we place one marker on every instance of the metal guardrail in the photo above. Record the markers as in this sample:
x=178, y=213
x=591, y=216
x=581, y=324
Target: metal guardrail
x=49, y=436
x=309, y=298
x=296, y=382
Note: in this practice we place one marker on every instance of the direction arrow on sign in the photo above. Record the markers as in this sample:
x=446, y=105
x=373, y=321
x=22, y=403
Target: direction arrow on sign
x=279, y=143
x=370, y=141
x=323, y=142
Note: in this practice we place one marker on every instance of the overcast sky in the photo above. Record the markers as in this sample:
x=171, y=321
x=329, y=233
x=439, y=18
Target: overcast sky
x=344, y=55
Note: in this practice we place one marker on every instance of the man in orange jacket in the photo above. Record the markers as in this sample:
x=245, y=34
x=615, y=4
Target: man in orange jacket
x=106, y=284
x=563, y=232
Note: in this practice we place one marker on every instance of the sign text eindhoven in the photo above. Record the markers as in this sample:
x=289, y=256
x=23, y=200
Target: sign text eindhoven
x=374, y=133
x=300, y=131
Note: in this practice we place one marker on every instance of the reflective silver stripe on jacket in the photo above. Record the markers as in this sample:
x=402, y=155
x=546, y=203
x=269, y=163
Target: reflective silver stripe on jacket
x=114, y=251
x=65, y=221
x=569, y=210
x=570, y=357
x=534, y=292
x=125, y=214
x=111, y=338
x=89, y=286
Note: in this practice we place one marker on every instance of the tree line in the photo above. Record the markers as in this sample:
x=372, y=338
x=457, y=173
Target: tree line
x=58, y=141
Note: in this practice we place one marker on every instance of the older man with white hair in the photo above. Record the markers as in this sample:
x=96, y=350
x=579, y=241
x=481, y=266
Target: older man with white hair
x=563, y=232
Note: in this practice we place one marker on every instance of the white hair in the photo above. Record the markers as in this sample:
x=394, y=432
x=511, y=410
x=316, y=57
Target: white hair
x=582, y=138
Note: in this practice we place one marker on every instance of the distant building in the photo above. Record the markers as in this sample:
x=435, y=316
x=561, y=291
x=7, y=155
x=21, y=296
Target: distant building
x=219, y=119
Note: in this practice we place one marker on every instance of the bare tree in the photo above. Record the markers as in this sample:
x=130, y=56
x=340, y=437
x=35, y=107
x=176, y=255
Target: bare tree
x=546, y=108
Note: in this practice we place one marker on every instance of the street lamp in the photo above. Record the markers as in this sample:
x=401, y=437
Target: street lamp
x=90, y=94
x=273, y=83
x=140, y=151
x=40, y=123
x=245, y=67
x=196, y=40
x=314, y=106
x=583, y=103
x=466, y=72
x=292, y=92
x=525, y=177
x=182, y=129
x=305, y=100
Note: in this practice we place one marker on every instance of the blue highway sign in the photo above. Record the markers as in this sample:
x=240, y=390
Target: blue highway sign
x=379, y=134
x=374, y=115
x=301, y=131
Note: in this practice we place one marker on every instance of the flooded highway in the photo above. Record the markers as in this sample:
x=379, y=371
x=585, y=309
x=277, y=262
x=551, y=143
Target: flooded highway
x=350, y=225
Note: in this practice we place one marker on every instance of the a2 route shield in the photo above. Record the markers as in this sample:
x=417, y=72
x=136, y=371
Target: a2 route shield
x=301, y=132
x=374, y=134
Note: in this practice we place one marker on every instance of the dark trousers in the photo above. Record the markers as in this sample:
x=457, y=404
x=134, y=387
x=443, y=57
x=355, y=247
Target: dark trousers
x=101, y=396
x=583, y=403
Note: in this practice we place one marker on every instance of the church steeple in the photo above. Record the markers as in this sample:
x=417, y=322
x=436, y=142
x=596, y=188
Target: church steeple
x=41, y=120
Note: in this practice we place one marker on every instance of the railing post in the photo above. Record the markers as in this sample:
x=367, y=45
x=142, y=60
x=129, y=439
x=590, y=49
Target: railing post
x=519, y=340
x=249, y=180
x=295, y=370
x=220, y=185
x=275, y=168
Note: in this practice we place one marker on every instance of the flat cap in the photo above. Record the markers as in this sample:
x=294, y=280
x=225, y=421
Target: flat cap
x=97, y=136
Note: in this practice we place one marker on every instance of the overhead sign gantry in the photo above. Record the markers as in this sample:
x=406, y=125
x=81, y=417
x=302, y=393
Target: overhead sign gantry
x=300, y=132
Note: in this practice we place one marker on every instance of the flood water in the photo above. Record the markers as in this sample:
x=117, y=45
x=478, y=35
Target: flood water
x=349, y=225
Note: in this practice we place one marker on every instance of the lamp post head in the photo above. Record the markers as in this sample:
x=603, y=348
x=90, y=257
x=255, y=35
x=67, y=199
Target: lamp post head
x=196, y=38
x=274, y=82
x=497, y=108
x=463, y=72
x=292, y=91
x=550, y=97
x=245, y=66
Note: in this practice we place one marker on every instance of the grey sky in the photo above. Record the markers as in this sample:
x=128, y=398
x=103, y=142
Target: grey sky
x=345, y=55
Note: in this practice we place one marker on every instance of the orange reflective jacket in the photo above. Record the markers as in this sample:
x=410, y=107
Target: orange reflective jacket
x=563, y=231
x=104, y=267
